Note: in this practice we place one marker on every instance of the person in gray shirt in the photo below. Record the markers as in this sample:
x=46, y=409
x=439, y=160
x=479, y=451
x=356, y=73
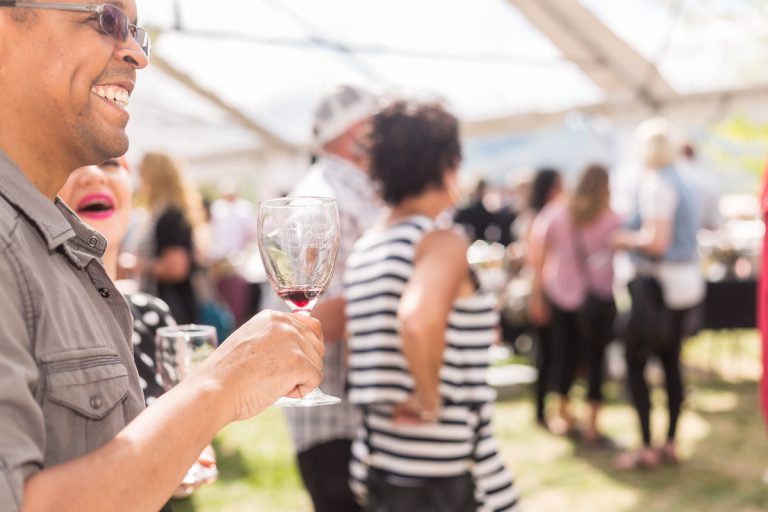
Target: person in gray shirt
x=73, y=433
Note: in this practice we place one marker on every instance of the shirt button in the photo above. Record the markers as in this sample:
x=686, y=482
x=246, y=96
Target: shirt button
x=97, y=401
x=104, y=292
x=93, y=241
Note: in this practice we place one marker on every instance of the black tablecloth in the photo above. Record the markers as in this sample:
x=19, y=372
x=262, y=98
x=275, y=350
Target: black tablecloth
x=730, y=305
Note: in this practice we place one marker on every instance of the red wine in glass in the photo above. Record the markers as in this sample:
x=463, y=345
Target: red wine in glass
x=298, y=240
x=300, y=300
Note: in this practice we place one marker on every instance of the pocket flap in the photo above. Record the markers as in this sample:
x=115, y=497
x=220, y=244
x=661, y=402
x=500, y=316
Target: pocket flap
x=90, y=386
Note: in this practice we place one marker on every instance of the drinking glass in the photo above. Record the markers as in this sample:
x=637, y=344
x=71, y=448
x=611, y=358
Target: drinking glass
x=181, y=349
x=298, y=240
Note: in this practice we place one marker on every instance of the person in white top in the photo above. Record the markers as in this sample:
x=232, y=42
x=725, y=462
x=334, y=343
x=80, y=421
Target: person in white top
x=233, y=221
x=664, y=247
x=323, y=435
x=232, y=228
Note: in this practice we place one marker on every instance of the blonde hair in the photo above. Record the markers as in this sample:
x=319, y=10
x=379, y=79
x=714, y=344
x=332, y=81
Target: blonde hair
x=591, y=197
x=654, y=139
x=165, y=186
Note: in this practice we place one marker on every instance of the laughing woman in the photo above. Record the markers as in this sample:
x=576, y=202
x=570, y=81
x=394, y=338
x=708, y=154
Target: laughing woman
x=419, y=332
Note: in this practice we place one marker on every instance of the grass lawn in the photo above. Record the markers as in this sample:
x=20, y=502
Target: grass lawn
x=722, y=441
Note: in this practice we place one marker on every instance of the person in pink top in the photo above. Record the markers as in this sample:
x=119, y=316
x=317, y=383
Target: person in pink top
x=762, y=300
x=573, y=261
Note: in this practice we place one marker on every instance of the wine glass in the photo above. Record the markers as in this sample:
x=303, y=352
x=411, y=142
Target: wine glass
x=298, y=240
x=181, y=349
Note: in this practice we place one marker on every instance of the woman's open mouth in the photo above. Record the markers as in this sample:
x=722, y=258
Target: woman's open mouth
x=96, y=206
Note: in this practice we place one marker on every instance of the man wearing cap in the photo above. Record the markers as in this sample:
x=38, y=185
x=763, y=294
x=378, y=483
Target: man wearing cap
x=323, y=435
x=74, y=435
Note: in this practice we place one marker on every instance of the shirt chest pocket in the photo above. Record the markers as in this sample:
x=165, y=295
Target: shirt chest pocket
x=83, y=400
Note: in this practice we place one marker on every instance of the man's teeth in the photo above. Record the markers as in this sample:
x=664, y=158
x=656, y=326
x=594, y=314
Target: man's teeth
x=112, y=92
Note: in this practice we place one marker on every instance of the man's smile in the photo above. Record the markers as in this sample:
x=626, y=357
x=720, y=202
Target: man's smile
x=116, y=93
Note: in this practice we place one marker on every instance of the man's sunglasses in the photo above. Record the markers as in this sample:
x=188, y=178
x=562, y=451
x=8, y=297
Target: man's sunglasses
x=112, y=20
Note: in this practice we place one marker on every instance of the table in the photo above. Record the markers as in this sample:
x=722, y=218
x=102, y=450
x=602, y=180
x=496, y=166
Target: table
x=730, y=304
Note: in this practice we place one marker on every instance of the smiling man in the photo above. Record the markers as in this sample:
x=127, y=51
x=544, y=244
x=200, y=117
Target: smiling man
x=72, y=432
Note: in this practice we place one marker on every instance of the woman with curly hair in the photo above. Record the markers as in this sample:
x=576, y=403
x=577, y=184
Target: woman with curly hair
x=419, y=333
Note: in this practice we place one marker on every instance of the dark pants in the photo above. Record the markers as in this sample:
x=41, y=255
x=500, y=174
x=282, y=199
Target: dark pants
x=575, y=349
x=325, y=470
x=544, y=368
x=673, y=379
x=391, y=494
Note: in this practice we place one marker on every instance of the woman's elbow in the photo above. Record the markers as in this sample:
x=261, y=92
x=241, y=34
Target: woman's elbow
x=419, y=329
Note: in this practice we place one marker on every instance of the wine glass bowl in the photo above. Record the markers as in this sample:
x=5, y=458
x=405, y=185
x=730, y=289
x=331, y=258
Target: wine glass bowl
x=298, y=240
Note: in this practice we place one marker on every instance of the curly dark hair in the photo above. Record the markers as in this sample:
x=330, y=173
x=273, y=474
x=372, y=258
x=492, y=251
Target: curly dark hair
x=412, y=146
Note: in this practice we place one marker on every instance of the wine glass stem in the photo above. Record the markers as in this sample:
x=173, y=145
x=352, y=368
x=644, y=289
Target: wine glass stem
x=303, y=312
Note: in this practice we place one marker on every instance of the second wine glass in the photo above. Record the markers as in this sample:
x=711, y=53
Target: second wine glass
x=181, y=349
x=299, y=239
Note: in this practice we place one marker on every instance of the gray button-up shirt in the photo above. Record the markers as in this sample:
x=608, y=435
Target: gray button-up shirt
x=68, y=383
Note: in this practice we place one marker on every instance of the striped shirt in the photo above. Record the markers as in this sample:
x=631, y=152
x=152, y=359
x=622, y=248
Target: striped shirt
x=461, y=440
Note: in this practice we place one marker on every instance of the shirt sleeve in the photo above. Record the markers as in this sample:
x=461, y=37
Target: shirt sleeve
x=658, y=199
x=22, y=427
x=539, y=233
x=173, y=231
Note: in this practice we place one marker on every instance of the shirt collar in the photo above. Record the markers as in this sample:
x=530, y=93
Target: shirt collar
x=348, y=174
x=55, y=222
x=342, y=165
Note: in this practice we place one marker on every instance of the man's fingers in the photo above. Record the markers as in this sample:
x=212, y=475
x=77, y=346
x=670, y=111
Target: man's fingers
x=311, y=344
x=303, y=390
x=310, y=323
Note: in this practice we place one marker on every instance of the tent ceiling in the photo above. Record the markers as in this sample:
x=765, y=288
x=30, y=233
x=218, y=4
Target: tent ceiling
x=604, y=57
x=259, y=67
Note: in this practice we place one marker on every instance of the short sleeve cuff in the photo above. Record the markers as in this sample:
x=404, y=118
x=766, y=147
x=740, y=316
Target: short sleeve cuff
x=12, y=485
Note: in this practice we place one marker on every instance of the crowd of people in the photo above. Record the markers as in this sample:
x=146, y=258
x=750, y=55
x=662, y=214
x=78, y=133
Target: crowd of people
x=402, y=333
x=568, y=241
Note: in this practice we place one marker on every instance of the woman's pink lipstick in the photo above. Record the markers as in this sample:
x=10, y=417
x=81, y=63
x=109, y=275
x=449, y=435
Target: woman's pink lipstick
x=105, y=209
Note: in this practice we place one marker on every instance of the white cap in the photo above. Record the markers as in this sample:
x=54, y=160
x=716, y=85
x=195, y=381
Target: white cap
x=340, y=110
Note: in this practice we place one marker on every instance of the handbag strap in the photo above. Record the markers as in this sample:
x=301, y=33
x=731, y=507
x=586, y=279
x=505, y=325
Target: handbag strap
x=581, y=254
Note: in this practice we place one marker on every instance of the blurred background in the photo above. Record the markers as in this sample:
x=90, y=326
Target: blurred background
x=232, y=87
x=231, y=92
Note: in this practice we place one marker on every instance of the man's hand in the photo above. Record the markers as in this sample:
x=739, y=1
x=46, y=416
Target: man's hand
x=272, y=355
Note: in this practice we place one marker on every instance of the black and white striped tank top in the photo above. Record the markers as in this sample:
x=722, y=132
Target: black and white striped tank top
x=461, y=440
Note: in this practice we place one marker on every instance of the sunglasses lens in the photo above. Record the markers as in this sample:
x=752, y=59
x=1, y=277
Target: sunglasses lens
x=142, y=38
x=114, y=22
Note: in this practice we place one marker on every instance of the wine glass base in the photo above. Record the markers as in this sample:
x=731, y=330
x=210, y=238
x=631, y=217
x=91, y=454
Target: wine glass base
x=312, y=399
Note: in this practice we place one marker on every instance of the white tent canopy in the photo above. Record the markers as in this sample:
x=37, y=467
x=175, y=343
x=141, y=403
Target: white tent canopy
x=233, y=83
